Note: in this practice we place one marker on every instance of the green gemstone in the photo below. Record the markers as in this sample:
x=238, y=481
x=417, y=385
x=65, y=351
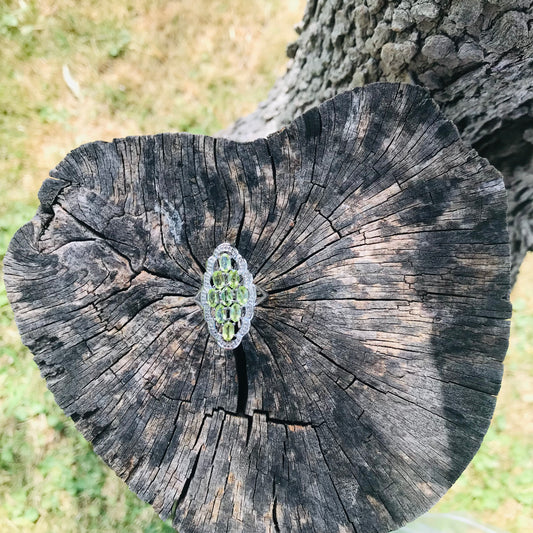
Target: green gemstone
x=228, y=331
x=212, y=297
x=242, y=295
x=235, y=313
x=225, y=262
x=233, y=279
x=226, y=296
x=218, y=279
x=220, y=313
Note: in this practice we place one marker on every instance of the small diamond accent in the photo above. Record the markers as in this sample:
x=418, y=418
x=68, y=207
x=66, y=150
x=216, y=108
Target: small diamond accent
x=228, y=296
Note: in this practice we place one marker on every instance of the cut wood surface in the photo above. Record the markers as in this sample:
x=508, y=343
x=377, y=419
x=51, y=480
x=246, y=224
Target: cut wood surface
x=369, y=375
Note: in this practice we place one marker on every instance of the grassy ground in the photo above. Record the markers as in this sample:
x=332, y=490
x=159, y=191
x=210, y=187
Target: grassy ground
x=143, y=67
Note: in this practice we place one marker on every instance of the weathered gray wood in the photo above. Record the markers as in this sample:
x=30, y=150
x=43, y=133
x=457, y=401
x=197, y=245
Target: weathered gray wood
x=474, y=56
x=371, y=369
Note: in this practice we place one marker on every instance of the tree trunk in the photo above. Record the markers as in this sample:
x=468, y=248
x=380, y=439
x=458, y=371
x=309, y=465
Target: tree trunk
x=474, y=56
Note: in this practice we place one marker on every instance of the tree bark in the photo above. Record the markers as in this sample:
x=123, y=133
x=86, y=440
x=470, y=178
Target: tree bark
x=368, y=377
x=474, y=56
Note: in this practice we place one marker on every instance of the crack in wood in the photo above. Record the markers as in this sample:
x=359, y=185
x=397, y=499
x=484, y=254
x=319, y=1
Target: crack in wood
x=186, y=485
x=242, y=379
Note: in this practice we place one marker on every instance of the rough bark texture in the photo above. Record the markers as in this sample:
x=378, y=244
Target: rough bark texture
x=368, y=378
x=474, y=56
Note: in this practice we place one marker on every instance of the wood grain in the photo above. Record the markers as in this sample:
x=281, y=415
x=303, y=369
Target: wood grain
x=369, y=375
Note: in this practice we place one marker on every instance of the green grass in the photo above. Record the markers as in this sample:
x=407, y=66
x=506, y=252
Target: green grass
x=145, y=68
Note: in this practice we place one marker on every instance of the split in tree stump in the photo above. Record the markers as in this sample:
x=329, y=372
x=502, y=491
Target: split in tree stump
x=368, y=377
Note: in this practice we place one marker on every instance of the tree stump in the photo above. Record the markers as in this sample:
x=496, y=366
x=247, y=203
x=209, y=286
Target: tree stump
x=368, y=377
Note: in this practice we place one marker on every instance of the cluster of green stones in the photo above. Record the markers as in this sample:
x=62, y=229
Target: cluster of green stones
x=227, y=297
